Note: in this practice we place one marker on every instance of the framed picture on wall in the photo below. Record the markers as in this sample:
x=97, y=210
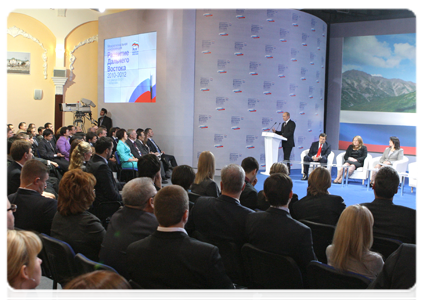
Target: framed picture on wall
x=18, y=62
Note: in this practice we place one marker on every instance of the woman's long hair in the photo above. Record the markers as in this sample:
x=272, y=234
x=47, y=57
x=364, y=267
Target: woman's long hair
x=319, y=182
x=77, y=157
x=353, y=235
x=206, y=167
x=360, y=141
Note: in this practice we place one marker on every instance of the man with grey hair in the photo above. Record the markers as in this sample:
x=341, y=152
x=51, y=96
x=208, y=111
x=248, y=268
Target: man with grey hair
x=222, y=218
x=133, y=222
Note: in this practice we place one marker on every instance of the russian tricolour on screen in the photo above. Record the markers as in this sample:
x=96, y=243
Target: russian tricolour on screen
x=130, y=68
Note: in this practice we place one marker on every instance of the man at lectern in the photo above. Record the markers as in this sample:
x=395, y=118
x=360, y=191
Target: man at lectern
x=287, y=131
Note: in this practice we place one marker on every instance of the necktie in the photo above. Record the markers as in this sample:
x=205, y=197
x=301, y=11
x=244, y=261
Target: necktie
x=136, y=147
x=158, y=149
x=319, y=151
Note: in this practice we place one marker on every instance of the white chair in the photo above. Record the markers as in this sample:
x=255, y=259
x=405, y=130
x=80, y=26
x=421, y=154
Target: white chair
x=412, y=175
x=331, y=156
x=400, y=165
x=359, y=173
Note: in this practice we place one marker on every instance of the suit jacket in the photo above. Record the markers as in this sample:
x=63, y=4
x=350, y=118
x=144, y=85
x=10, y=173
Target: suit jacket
x=46, y=151
x=288, y=132
x=134, y=150
x=326, y=149
x=35, y=212
x=207, y=187
x=143, y=148
x=83, y=232
x=393, y=221
x=63, y=146
x=274, y=230
x=153, y=146
x=173, y=260
x=106, y=188
x=399, y=270
x=107, y=122
x=249, y=196
x=220, y=218
x=324, y=209
x=13, y=177
x=126, y=226
x=396, y=155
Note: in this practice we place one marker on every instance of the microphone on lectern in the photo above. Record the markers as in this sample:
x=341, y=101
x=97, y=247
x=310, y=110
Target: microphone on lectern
x=273, y=125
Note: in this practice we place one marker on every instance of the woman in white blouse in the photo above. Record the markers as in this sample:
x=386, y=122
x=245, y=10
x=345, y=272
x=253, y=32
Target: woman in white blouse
x=391, y=154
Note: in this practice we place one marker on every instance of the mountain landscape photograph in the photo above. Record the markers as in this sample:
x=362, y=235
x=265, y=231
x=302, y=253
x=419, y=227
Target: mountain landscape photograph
x=379, y=73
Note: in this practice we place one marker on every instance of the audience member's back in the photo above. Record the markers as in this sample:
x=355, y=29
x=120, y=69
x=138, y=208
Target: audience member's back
x=223, y=217
x=390, y=220
x=133, y=222
x=274, y=230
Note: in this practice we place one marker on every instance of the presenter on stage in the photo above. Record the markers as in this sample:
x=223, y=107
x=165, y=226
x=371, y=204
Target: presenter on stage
x=287, y=131
x=319, y=152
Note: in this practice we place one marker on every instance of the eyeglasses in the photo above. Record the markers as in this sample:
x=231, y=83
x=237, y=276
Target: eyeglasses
x=13, y=208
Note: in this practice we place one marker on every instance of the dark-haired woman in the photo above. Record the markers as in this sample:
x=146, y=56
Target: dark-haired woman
x=391, y=154
x=73, y=223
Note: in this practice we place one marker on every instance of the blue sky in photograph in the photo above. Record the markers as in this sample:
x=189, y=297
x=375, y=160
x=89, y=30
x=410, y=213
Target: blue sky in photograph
x=389, y=56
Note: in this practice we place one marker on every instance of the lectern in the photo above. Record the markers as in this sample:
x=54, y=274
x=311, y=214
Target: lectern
x=271, y=148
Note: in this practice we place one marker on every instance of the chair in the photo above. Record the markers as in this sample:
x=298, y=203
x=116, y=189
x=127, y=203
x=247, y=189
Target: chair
x=86, y=265
x=359, y=173
x=322, y=235
x=231, y=256
x=105, y=210
x=60, y=257
x=400, y=165
x=132, y=169
x=331, y=156
x=141, y=293
x=385, y=246
x=193, y=197
x=265, y=270
x=323, y=276
x=412, y=175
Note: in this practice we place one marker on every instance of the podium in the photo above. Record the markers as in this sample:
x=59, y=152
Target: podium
x=271, y=148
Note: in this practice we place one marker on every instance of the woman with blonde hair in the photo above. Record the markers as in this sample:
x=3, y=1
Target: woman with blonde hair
x=353, y=238
x=318, y=205
x=80, y=155
x=23, y=265
x=204, y=183
x=277, y=167
x=354, y=157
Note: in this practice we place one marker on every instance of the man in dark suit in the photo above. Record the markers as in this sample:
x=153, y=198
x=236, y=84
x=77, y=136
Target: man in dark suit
x=47, y=150
x=222, y=218
x=21, y=152
x=35, y=212
x=319, y=152
x=169, y=258
x=142, y=142
x=287, y=131
x=133, y=222
x=168, y=159
x=131, y=142
x=274, y=230
x=390, y=220
x=399, y=270
x=105, y=120
x=107, y=189
x=249, y=195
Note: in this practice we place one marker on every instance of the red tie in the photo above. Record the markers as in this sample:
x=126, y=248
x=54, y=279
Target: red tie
x=319, y=151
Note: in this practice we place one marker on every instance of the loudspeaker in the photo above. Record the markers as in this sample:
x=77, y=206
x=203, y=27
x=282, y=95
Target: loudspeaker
x=59, y=73
x=38, y=94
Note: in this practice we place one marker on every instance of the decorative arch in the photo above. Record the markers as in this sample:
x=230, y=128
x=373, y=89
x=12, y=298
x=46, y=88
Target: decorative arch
x=73, y=58
x=15, y=31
